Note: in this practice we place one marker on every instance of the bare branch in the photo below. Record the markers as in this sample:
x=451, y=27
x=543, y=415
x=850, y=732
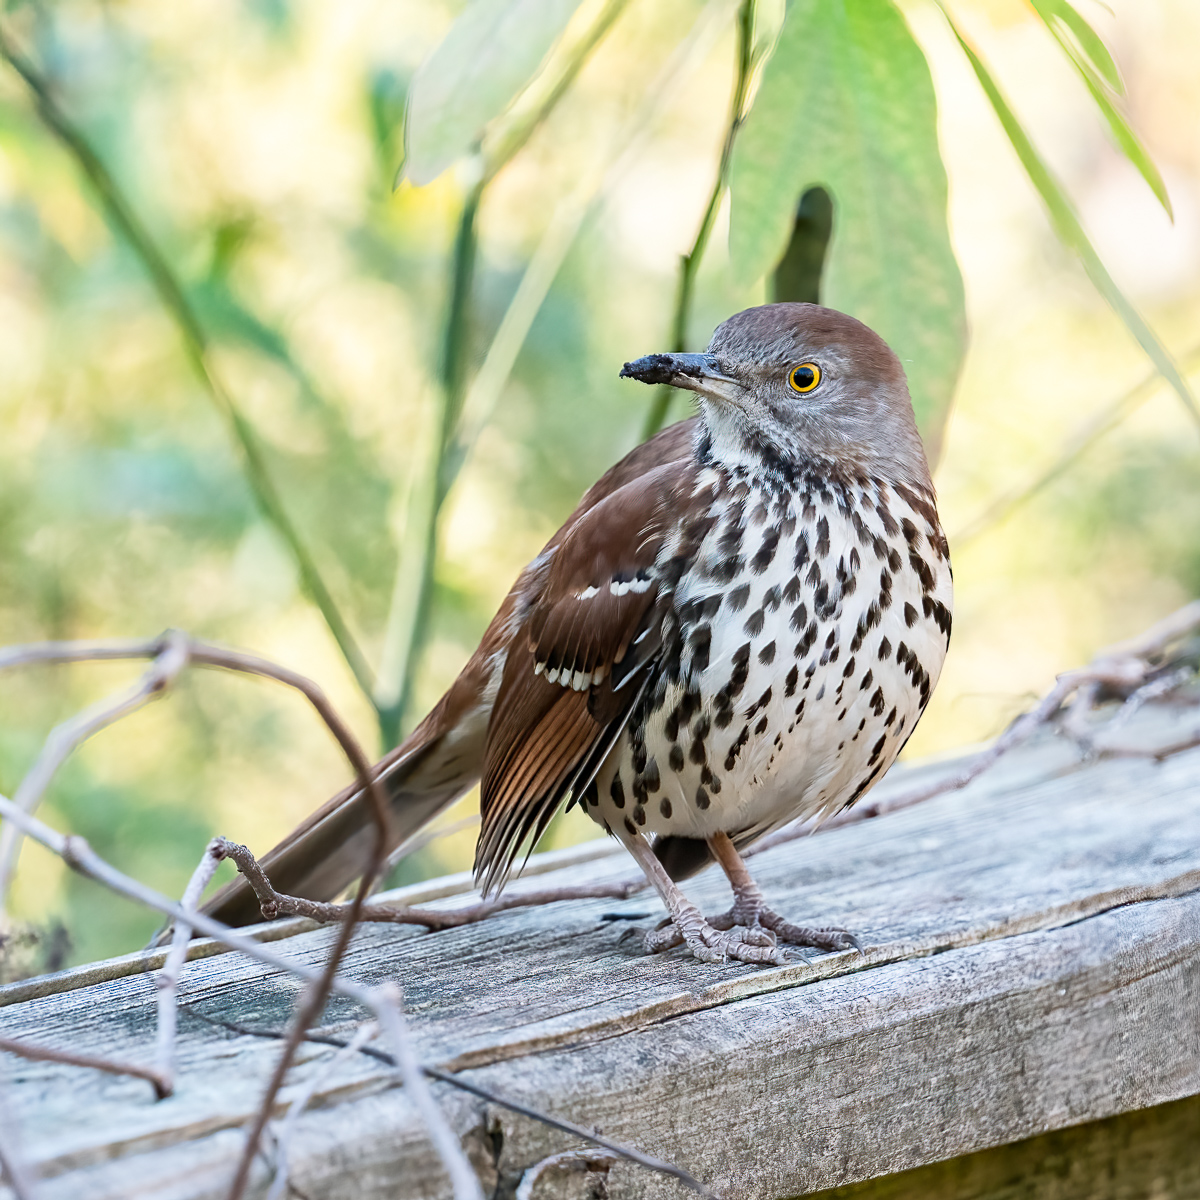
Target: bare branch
x=170, y=659
x=362, y=1035
x=12, y=1165
x=573, y=1161
x=109, y=1066
x=524, y=1110
x=167, y=980
x=1128, y=667
x=391, y=1021
x=274, y=904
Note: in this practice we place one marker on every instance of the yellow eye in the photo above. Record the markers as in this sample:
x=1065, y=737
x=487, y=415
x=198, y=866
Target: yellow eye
x=805, y=377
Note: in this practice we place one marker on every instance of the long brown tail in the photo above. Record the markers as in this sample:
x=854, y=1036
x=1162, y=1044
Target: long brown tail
x=438, y=763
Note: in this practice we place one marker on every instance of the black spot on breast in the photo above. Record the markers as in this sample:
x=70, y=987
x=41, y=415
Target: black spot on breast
x=761, y=726
x=822, y=548
x=894, y=560
x=806, y=643
x=848, y=669
x=910, y=615
x=702, y=800
x=799, y=617
x=939, y=612
x=801, y=556
x=671, y=725
x=885, y=648
x=924, y=574
x=738, y=597
x=616, y=791
x=675, y=758
x=793, y=677
x=910, y=531
x=736, y=748
x=885, y=516
x=754, y=622
x=766, y=552
x=877, y=749
x=697, y=752
x=730, y=541
x=664, y=807
x=867, y=679
x=639, y=815
x=650, y=776
x=700, y=640
x=877, y=702
x=630, y=827
x=728, y=568
x=772, y=598
x=890, y=717
x=766, y=655
x=885, y=588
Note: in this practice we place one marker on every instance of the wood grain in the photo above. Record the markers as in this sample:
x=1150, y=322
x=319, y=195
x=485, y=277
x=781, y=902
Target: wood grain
x=1032, y=962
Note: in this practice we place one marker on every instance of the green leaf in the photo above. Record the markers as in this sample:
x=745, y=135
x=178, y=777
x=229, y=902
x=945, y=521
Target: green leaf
x=1070, y=231
x=846, y=103
x=1100, y=78
x=490, y=54
x=1059, y=17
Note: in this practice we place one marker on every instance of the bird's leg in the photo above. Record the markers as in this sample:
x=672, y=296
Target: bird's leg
x=751, y=945
x=750, y=909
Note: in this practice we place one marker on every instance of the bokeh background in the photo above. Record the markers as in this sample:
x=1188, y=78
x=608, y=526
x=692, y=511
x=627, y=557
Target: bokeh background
x=259, y=141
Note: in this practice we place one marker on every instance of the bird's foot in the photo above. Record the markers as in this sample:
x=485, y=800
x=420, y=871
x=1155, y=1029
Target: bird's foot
x=758, y=916
x=712, y=944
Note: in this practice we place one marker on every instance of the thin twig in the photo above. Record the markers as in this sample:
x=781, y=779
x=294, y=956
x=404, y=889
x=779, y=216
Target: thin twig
x=315, y=996
x=523, y=1110
x=1086, y=434
x=64, y=739
x=79, y=856
x=110, y=1066
x=391, y=1021
x=274, y=904
x=1128, y=667
x=12, y=1164
x=472, y=409
x=689, y=264
x=283, y=1140
x=575, y=1161
x=167, y=980
x=195, y=342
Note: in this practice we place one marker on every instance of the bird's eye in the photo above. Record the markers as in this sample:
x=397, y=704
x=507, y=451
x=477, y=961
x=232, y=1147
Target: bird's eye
x=804, y=378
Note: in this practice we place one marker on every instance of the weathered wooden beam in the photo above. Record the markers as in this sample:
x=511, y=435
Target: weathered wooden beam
x=1032, y=963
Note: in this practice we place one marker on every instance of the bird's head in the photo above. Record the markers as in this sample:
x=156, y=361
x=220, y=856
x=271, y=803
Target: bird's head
x=791, y=385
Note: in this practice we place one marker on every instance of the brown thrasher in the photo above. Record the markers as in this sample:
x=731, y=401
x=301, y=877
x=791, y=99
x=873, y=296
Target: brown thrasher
x=740, y=624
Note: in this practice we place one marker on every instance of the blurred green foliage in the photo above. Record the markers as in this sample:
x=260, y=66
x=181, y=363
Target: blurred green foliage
x=259, y=143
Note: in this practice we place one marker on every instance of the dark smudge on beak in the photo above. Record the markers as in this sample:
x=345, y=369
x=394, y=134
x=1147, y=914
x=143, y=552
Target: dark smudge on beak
x=675, y=369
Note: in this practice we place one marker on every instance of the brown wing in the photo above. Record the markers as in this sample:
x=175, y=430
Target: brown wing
x=579, y=660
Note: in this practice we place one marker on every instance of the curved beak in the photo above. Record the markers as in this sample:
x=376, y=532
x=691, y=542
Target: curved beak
x=697, y=372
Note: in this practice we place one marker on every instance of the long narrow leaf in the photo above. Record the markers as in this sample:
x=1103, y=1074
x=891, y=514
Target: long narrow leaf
x=1070, y=231
x=1101, y=78
x=489, y=55
x=847, y=103
x=1060, y=13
